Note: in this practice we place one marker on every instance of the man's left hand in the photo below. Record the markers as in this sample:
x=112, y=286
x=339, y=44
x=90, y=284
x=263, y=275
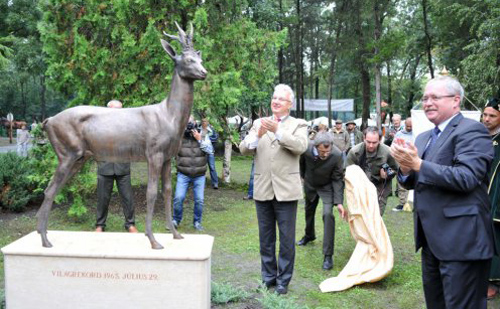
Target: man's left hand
x=383, y=174
x=196, y=135
x=406, y=154
x=342, y=212
x=270, y=124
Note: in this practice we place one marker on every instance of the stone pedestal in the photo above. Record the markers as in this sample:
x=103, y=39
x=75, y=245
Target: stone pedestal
x=107, y=270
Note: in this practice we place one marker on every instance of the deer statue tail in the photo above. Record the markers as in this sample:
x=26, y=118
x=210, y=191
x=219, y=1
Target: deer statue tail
x=45, y=122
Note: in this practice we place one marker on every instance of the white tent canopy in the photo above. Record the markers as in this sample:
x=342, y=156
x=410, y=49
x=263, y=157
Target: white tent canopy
x=371, y=122
x=235, y=120
x=320, y=120
x=343, y=105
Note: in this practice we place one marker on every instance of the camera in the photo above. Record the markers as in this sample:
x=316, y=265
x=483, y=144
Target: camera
x=388, y=170
x=189, y=128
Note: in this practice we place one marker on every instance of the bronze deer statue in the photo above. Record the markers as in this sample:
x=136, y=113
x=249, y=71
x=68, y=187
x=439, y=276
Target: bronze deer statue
x=151, y=133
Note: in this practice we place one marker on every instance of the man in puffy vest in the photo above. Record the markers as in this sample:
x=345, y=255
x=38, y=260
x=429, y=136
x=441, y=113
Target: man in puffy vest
x=191, y=169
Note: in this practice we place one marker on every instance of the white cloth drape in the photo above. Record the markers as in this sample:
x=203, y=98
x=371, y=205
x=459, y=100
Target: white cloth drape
x=373, y=258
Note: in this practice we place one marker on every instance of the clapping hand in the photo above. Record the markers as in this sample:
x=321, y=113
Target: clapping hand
x=406, y=154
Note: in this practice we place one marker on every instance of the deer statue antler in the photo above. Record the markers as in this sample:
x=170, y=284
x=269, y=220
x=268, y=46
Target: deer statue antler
x=190, y=36
x=186, y=41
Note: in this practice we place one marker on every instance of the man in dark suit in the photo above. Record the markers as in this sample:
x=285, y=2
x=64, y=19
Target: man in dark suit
x=322, y=169
x=448, y=169
x=107, y=173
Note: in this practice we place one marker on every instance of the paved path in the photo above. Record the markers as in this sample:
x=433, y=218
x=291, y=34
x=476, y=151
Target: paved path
x=8, y=148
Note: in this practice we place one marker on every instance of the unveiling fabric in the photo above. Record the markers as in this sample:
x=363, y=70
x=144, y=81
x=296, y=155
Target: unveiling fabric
x=373, y=258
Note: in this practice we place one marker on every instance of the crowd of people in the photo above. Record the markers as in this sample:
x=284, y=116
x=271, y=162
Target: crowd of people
x=453, y=170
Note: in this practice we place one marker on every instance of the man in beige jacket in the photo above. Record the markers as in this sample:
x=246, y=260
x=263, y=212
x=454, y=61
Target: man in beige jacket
x=277, y=142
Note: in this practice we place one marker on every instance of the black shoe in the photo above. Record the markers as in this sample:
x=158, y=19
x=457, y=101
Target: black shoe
x=216, y=187
x=266, y=285
x=248, y=197
x=305, y=240
x=328, y=262
x=281, y=289
x=398, y=208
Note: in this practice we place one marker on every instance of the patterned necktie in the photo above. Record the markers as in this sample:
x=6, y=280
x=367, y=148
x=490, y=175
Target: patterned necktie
x=434, y=136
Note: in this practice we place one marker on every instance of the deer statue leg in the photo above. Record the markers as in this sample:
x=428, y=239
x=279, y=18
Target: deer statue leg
x=166, y=178
x=65, y=170
x=154, y=166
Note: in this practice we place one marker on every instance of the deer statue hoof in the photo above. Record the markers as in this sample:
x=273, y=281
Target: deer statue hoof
x=156, y=245
x=45, y=242
x=177, y=235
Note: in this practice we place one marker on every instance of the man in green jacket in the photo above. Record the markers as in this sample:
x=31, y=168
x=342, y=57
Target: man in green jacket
x=376, y=161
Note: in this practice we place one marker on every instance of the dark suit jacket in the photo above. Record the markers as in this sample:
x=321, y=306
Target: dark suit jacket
x=323, y=176
x=110, y=168
x=452, y=208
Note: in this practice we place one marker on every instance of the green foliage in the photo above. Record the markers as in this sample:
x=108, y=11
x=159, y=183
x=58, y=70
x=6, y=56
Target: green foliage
x=274, y=301
x=16, y=189
x=43, y=165
x=5, y=52
x=224, y=293
x=100, y=51
x=2, y=299
x=480, y=55
x=241, y=60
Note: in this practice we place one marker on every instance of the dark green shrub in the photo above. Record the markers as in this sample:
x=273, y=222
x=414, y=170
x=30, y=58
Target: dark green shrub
x=16, y=188
x=43, y=164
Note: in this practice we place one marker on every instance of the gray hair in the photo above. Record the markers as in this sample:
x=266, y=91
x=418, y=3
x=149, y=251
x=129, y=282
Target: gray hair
x=452, y=85
x=286, y=88
x=396, y=116
x=323, y=138
x=373, y=129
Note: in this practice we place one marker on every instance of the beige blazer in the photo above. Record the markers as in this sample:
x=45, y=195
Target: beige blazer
x=277, y=172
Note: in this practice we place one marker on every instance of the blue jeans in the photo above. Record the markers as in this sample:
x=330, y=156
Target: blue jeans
x=250, y=182
x=213, y=172
x=181, y=188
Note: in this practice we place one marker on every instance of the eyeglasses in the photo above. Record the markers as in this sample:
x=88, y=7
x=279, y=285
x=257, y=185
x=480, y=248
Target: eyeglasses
x=281, y=99
x=435, y=98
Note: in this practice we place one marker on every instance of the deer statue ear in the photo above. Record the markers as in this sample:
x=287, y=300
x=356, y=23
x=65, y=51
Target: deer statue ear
x=169, y=49
x=199, y=53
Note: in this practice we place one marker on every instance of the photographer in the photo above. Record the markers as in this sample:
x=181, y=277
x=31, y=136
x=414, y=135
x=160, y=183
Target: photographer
x=376, y=161
x=191, y=169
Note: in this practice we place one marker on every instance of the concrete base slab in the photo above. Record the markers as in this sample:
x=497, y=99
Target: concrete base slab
x=107, y=270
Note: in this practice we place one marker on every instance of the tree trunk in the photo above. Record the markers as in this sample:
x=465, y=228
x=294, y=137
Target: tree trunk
x=413, y=74
x=362, y=66
x=377, y=32
x=226, y=163
x=365, y=89
x=389, y=84
x=23, y=99
x=42, y=96
x=280, y=52
x=331, y=73
x=299, y=63
x=428, y=38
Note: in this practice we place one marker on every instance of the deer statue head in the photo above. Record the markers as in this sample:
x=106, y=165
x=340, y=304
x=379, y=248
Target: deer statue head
x=188, y=63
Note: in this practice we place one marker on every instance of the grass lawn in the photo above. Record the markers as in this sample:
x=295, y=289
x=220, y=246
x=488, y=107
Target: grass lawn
x=235, y=258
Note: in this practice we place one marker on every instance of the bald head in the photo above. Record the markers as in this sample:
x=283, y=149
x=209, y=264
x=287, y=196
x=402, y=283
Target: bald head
x=408, y=126
x=114, y=104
